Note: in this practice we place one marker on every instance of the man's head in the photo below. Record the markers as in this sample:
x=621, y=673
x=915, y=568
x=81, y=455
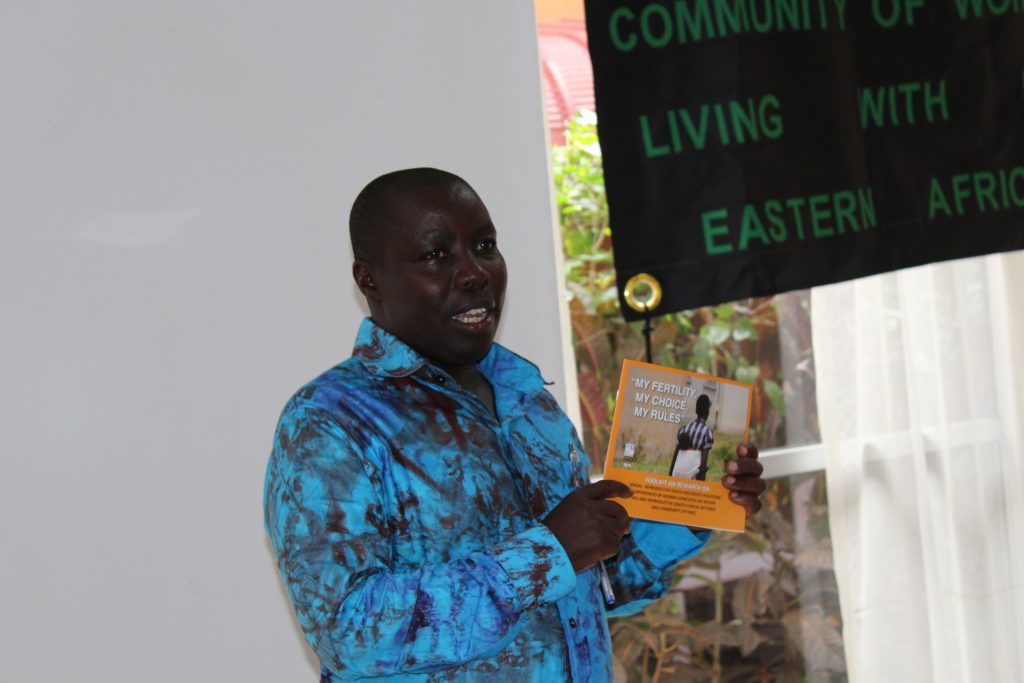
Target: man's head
x=427, y=260
x=703, y=406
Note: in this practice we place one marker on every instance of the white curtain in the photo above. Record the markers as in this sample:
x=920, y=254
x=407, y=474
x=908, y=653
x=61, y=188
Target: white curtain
x=920, y=377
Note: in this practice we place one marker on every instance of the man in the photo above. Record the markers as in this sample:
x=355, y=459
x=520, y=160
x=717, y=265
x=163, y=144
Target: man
x=696, y=435
x=419, y=496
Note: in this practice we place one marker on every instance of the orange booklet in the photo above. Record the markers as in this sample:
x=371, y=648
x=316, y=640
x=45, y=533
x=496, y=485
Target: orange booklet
x=672, y=432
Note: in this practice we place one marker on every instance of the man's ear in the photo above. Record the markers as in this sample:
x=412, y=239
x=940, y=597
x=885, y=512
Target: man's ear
x=362, y=273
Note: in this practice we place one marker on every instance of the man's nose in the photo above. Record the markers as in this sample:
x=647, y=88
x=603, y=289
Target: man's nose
x=470, y=273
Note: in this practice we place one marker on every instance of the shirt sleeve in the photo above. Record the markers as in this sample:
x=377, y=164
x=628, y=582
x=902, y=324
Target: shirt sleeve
x=332, y=542
x=642, y=571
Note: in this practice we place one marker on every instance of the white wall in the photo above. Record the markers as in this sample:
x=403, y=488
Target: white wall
x=174, y=263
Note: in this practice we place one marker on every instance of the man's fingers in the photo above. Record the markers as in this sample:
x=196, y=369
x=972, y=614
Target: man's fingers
x=609, y=508
x=750, y=502
x=745, y=467
x=607, y=488
x=618, y=524
x=743, y=478
x=747, y=450
x=754, y=485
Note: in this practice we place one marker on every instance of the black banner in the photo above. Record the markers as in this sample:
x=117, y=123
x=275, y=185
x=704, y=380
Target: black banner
x=758, y=146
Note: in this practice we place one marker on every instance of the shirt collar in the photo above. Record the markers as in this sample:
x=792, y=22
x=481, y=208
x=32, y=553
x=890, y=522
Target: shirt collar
x=383, y=353
x=510, y=373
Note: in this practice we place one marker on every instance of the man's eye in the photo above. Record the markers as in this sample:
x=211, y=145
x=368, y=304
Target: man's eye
x=434, y=255
x=487, y=244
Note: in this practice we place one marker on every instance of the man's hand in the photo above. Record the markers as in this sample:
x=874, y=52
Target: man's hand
x=588, y=526
x=743, y=478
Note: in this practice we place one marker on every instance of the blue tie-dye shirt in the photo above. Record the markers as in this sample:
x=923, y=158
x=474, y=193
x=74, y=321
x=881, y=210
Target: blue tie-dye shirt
x=404, y=516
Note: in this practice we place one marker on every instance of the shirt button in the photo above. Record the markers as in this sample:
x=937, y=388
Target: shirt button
x=573, y=622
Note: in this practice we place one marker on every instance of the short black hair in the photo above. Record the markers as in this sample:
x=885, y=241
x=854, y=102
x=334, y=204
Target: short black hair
x=703, y=405
x=372, y=210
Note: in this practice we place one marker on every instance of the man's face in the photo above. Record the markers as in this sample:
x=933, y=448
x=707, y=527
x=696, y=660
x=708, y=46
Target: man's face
x=439, y=279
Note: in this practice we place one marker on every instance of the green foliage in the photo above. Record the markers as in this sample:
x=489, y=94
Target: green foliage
x=583, y=210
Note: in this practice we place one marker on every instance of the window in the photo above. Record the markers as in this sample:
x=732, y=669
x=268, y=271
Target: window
x=756, y=606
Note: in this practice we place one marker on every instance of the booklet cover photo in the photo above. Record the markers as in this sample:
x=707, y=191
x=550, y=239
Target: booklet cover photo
x=672, y=432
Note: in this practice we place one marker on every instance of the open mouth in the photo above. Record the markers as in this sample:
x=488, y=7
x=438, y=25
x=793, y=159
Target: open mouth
x=474, y=317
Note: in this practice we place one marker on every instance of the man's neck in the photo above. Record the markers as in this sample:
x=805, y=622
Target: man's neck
x=470, y=379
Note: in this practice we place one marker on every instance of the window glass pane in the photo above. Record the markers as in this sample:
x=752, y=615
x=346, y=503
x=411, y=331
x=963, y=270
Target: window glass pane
x=759, y=606
x=762, y=605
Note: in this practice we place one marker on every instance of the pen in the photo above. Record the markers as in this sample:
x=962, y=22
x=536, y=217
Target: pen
x=577, y=481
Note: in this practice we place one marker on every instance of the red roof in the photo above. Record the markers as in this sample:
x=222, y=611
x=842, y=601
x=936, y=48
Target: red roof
x=568, y=77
